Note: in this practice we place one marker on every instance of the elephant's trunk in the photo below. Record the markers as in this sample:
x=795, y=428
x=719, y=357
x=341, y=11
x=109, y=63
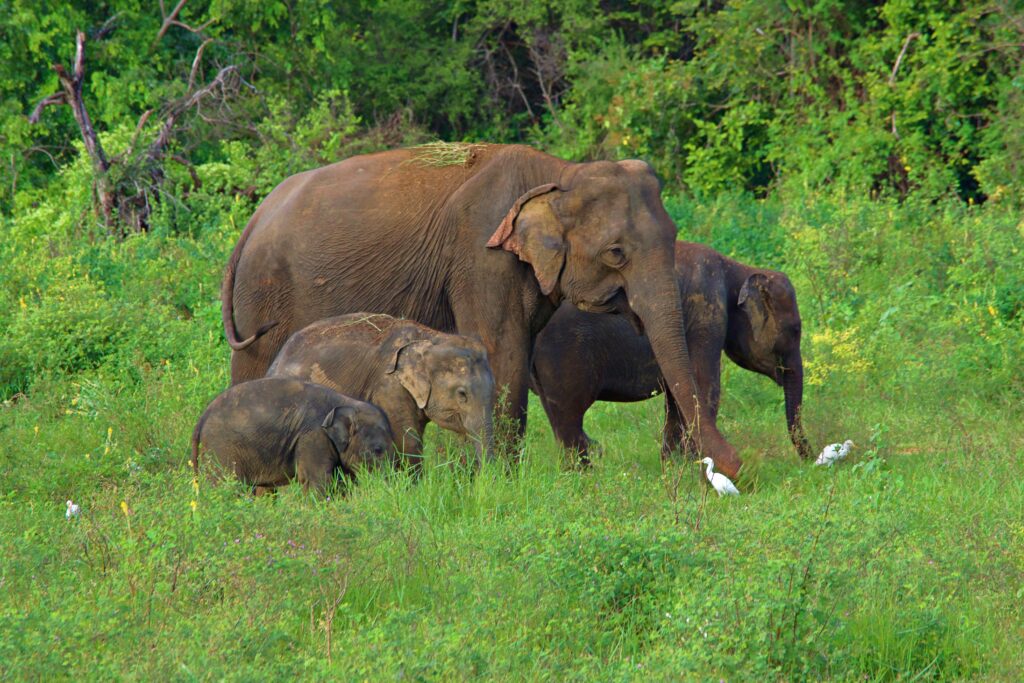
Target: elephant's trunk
x=793, y=388
x=481, y=430
x=654, y=297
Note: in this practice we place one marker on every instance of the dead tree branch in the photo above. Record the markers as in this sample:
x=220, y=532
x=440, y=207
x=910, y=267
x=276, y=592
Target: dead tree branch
x=56, y=98
x=899, y=58
x=892, y=76
x=71, y=94
x=171, y=19
x=223, y=81
x=195, y=63
x=130, y=194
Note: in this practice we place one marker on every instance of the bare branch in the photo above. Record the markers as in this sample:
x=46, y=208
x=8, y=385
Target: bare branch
x=221, y=80
x=196, y=182
x=56, y=98
x=107, y=28
x=172, y=19
x=169, y=19
x=194, y=29
x=892, y=76
x=138, y=129
x=903, y=51
x=79, y=58
x=195, y=63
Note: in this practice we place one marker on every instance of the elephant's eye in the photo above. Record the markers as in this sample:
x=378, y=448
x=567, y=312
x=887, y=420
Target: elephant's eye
x=615, y=257
x=462, y=395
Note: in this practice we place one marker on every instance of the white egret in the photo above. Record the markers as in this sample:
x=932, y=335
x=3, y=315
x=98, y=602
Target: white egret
x=73, y=510
x=833, y=452
x=719, y=481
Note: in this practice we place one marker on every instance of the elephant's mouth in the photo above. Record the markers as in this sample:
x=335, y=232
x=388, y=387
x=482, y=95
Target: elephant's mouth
x=615, y=303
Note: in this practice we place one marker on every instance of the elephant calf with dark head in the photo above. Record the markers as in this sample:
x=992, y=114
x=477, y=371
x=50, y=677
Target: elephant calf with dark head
x=413, y=373
x=268, y=432
x=749, y=313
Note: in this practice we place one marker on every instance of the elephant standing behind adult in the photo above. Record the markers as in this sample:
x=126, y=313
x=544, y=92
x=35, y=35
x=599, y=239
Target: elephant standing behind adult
x=487, y=247
x=748, y=313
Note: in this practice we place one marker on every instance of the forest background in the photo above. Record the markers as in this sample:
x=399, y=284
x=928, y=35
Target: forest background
x=872, y=150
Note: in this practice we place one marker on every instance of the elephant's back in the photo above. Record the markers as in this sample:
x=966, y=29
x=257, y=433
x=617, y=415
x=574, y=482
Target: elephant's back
x=370, y=233
x=341, y=353
x=703, y=278
x=373, y=185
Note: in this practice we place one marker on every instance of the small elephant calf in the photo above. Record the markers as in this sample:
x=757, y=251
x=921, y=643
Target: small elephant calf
x=414, y=373
x=273, y=430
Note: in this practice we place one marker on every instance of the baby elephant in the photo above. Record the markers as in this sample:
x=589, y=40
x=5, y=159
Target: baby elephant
x=749, y=313
x=272, y=430
x=415, y=374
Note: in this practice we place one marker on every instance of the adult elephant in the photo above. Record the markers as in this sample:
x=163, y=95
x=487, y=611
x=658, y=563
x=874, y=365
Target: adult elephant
x=483, y=240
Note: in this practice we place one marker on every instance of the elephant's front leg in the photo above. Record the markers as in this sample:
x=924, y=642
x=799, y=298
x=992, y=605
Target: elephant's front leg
x=508, y=355
x=315, y=462
x=407, y=429
x=511, y=378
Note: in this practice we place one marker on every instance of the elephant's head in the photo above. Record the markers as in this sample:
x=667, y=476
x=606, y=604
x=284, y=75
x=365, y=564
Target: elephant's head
x=361, y=435
x=767, y=340
x=451, y=381
x=601, y=238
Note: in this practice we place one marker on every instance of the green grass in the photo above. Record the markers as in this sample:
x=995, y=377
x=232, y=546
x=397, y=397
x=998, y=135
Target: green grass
x=624, y=571
x=904, y=562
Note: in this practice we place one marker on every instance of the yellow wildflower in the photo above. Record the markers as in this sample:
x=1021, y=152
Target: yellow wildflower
x=124, y=507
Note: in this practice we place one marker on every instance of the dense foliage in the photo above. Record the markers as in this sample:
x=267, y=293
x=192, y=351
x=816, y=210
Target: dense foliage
x=873, y=151
x=889, y=98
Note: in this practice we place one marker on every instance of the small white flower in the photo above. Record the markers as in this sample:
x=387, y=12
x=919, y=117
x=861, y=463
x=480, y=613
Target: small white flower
x=72, y=511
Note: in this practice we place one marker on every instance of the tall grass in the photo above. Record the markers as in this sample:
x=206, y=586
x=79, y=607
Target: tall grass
x=903, y=562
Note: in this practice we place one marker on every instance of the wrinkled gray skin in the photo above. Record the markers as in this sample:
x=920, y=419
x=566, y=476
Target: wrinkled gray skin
x=271, y=431
x=487, y=248
x=749, y=313
x=414, y=374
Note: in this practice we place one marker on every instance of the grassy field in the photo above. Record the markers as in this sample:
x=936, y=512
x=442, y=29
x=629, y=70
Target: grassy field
x=904, y=562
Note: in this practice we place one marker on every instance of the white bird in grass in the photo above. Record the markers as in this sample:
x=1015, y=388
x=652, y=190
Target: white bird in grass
x=73, y=510
x=719, y=481
x=833, y=452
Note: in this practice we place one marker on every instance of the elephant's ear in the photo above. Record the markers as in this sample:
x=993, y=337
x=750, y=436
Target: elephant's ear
x=755, y=300
x=410, y=367
x=338, y=425
x=532, y=231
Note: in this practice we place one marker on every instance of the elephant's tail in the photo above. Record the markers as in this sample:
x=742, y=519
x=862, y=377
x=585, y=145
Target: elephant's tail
x=227, y=297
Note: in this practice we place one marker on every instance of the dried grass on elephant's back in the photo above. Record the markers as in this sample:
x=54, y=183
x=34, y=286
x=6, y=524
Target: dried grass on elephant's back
x=442, y=153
